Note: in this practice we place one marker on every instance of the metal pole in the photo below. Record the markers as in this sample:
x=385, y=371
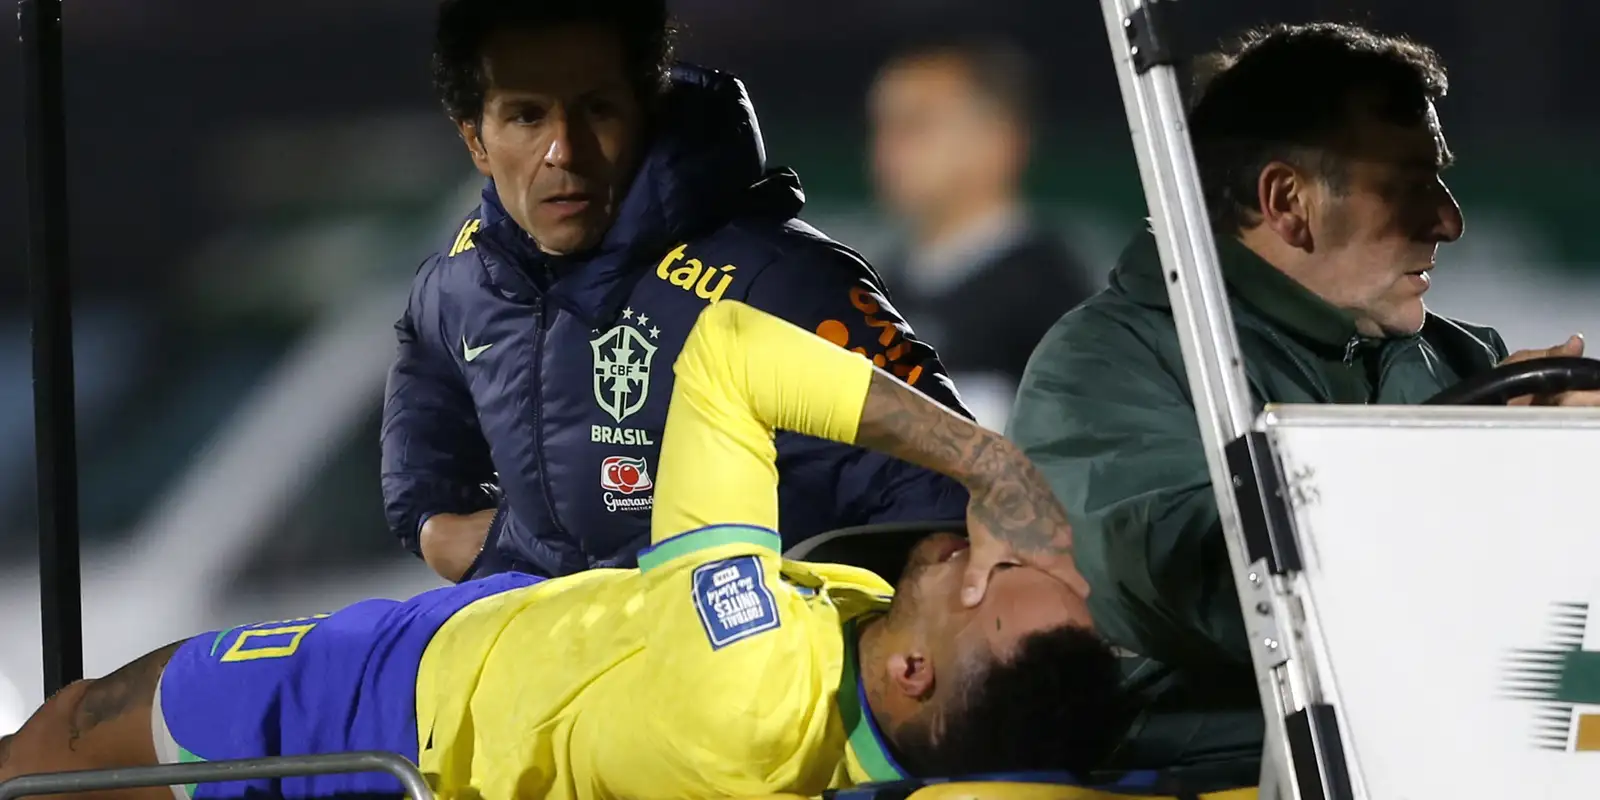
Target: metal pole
x=50, y=783
x=49, y=280
x=1140, y=32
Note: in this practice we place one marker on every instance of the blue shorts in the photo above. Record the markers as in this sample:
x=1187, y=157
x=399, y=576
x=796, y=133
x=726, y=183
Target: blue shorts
x=325, y=684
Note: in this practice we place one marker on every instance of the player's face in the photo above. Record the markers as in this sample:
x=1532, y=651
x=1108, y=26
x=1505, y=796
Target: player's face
x=560, y=133
x=1020, y=601
x=1379, y=232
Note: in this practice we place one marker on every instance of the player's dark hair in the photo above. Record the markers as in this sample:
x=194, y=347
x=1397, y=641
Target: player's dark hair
x=1056, y=704
x=1001, y=72
x=1288, y=92
x=464, y=26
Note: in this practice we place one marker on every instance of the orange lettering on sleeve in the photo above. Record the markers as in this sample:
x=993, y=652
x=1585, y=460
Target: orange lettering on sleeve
x=895, y=346
x=834, y=331
x=862, y=300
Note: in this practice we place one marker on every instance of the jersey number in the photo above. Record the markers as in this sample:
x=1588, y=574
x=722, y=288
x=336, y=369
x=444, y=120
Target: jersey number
x=278, y=641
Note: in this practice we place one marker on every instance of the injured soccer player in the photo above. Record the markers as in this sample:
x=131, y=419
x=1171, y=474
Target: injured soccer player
x=715, y=669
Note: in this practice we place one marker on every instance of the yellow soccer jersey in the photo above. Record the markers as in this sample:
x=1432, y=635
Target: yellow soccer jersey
x=716, y=668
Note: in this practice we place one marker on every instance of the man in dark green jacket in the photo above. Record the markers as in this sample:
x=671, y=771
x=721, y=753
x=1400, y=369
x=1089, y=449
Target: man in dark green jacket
x=1320, y=153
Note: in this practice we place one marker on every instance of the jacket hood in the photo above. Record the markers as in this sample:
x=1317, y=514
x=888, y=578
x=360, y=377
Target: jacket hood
x=1137, y=274
x=705, y=162
x=1251, y=283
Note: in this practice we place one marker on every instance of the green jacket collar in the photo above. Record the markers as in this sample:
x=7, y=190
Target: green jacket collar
x=1259, y=286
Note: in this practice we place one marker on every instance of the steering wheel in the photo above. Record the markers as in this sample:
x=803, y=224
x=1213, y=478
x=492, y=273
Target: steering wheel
x=1537, y=376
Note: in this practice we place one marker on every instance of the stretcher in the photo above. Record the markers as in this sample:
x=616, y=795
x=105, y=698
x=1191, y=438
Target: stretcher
x=1132, y=786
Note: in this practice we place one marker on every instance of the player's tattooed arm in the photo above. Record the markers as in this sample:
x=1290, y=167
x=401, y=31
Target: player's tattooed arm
x=1011, y=500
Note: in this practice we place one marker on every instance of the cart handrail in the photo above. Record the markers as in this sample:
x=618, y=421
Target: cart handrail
x=416, y=787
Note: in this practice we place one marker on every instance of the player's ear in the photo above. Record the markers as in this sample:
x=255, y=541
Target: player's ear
x=1283, y=196
x=912, y=674
x=471, y=135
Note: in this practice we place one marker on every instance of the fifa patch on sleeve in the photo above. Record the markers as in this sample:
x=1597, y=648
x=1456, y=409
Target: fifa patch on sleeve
x=733, y=600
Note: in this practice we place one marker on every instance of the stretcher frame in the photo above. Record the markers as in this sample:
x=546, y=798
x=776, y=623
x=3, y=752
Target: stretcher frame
x=1302, y=756
x=416, y=787
x=50, y=301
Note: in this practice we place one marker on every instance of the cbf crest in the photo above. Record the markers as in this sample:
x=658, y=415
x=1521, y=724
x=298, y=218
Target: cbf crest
x=622, y=358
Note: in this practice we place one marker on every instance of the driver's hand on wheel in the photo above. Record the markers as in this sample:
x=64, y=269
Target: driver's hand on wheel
x=1571, y=348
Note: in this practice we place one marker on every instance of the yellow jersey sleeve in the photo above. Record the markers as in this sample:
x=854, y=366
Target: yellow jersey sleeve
x=742, y=374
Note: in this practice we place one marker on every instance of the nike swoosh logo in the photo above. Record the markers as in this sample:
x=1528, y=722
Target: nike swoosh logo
x=471, y=353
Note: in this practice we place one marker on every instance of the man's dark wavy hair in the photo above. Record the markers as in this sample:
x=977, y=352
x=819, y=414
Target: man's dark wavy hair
x=464, y=26
x=1285, y=92
x=1056, y=704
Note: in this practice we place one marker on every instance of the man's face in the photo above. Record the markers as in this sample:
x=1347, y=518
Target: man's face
x=1020, y=601
x=560, y=133
x=931, y=134
x=1377, y=235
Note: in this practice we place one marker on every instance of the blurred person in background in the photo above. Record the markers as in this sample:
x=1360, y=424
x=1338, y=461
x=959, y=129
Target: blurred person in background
x=979, y=277
x=1321, y=156
x=524, y=411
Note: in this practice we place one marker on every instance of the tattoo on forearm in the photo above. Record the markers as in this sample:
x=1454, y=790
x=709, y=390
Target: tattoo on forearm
x=1010, y=495
x=106, y=699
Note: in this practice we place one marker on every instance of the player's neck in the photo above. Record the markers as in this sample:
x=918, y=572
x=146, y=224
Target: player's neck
x=869, y=633
x=872, y=647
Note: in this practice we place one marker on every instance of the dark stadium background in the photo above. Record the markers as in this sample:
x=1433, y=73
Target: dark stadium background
x=245, y=174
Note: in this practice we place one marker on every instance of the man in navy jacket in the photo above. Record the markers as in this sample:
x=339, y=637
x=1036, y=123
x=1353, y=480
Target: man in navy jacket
x=524, y=410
